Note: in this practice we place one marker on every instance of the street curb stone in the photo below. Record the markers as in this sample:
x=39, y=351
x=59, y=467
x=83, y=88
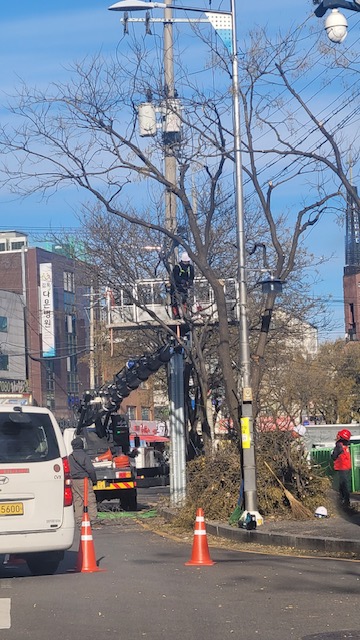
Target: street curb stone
x=324, y=544
x=284, y=540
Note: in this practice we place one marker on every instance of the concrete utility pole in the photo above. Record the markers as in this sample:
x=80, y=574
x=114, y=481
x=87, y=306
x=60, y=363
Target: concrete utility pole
x=169, y=96
x=170, y=135
x=176, y=365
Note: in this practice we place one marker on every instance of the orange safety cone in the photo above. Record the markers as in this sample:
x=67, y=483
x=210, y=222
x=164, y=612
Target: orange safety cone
x=200, y=555
x=86, y=560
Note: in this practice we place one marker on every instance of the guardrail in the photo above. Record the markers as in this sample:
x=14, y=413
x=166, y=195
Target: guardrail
x=129, y=307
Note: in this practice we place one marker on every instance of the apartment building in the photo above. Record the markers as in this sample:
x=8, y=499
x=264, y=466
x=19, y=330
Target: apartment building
x=44, y=345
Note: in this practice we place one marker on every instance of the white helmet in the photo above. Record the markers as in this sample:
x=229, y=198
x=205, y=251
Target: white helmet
x=321, y=512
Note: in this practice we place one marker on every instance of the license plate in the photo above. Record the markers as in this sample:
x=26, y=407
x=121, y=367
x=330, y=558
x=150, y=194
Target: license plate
x=100, y=485
x=11, y=509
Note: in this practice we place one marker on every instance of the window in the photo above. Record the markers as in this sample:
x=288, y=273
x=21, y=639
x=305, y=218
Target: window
x=72, y=383
x=2, y=246
x=69, y=323
x=69, y=281
x=31, y=438
x=131, y=412
x=145, y=413
x=4, y=362
x=50, y=385
x=3, y=324
x=17, y=245
x=69, y=302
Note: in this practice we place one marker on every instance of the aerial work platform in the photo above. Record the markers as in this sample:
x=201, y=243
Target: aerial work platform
x=149, y=303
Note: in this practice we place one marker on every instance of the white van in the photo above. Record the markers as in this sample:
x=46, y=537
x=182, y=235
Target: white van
x=36, y=503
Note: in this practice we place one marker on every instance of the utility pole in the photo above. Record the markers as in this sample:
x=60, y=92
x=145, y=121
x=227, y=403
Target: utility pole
x=176, y=364
x=169, y=136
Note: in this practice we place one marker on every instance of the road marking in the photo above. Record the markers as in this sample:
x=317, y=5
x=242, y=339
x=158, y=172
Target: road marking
x=5, y=619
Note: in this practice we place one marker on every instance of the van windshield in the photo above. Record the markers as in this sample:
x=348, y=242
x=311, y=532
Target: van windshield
x=27, y=437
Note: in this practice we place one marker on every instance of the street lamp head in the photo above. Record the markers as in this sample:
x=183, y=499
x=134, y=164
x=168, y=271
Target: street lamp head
x=336, y=26
x=136, y=5
x=272, y=285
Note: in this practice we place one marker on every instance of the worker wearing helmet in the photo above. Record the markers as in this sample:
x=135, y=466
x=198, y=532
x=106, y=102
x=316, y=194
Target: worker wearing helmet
x=342, y=465
x=182, y=279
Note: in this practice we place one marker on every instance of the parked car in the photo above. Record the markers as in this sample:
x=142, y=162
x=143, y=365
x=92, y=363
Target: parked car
x=36, y=503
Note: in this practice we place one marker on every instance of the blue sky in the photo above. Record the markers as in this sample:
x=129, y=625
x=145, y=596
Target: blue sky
x=39, y=40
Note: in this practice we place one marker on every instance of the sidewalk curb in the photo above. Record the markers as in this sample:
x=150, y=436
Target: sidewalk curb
x=284, y=539
x=309, y=543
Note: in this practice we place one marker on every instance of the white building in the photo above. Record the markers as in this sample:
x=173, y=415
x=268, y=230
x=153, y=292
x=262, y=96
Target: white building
x=13, y=374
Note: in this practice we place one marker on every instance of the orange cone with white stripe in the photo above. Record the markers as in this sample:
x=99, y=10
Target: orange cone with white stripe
x=200, y=555
x=86, y=560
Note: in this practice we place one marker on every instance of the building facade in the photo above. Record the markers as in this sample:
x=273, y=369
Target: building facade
x=351, y=278
x=43, y=305
x=13, y=370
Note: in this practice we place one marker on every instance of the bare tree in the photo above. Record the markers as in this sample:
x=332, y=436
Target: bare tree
x=85, y=133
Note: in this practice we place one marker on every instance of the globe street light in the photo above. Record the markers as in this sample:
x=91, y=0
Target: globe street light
x=225, y=23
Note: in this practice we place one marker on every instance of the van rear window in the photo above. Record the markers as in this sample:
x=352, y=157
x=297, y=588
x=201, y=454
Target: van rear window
x=27, y=437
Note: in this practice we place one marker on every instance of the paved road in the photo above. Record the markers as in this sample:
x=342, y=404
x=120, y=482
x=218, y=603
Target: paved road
x=148, y=593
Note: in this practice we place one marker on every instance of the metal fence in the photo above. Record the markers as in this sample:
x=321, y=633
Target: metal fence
x=322, y=458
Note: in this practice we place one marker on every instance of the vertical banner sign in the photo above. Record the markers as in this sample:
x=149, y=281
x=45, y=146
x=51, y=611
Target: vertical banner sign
x=47, y=310
x=245, y=433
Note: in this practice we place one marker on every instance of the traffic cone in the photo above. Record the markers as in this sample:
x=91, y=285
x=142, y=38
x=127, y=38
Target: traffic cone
x=200, y=555
x=86, y=560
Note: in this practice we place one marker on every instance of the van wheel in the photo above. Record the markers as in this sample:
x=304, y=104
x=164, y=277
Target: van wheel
x=128, y=500
x=44, y=564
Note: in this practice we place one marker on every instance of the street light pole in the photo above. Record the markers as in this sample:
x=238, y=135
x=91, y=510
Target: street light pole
x=247, y=426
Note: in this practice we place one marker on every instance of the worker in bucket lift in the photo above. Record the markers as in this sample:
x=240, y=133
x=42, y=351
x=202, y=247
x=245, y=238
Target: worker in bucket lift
x=182, y=279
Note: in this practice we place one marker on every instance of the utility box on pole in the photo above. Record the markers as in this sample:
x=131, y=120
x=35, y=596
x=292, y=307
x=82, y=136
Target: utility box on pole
x=171, y=110
x=147, y=119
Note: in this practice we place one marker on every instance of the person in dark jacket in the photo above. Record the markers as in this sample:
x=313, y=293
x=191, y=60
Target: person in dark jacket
x=81, y=467
x=342, y=465
x=182, y=279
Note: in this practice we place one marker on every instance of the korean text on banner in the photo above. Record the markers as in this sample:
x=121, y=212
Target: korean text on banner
x=47, y=310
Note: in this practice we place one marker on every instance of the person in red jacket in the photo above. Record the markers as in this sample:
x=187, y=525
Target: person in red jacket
x=342, y=465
